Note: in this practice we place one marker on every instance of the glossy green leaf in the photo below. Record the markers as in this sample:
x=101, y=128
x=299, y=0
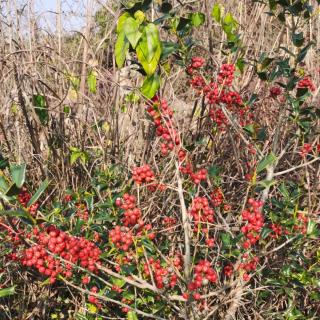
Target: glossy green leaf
x=149, y=49
x=168, y=48
x=303, y=52
x=18, y=214
x=43, y=186
x=122, y=19
x=150, y=86
x=18, y=174
x=265, y=162
x=7, y=291
x=298, y=39
x=131, y=31
x=121, y=49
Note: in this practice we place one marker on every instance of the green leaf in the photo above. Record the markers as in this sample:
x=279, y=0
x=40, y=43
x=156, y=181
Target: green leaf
x=303, y=52
x=18, y=174
x=121, y=49
x=240, y=63
x=249, y=129
x=3, y=184
x=43, y=186
x=18, y=214
x=216, y=12
x=226, y=239
x=197, y=18
x=74, y=157
x=131, y=315
x=118, y=282
x=4, y=163
x=40, y=108
x=298, y=39
x=168, y=48
x=150, y=86
x=267, y=161
x=13, y=190
x=267, y=183
x=131, y=31
x=165, y=7
x=92, y=82
x=213, y=171
x=229, y=23
x=7, y=292
x=311, y=228
x=265, y=232
x=149, y=49
x=122, y=19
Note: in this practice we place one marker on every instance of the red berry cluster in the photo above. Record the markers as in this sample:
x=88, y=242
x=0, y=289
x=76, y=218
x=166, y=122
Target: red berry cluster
x=302, y=223
x=255, y=222
x=121, y=237
x=52, y=241
x=82, y=211
x=203, y=274
x=196, y=63
x=248, y=266
x=228, y=270
x=210, y=242
x=93, y=299
x=159, y=272
x=131, y=213
x=162, y=117
x=67, y=198
x=201, y=211
x=143, y=174
x=275, y=91
x=24, y=197
x=226, y=74
x=306, y=83
x=307, y=148
x=216, y=197
x=219, y=93
x=169, y=221
x=197, y=177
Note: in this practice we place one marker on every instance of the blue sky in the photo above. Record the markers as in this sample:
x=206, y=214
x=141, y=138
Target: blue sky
x=72, y=13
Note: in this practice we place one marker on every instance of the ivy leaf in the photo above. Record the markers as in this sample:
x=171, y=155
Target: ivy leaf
x=149, y=49
x=18, y=173
x=265, y=162
x=131, y=31
x=121, y=49
x=150, y=86
x=43, y=186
